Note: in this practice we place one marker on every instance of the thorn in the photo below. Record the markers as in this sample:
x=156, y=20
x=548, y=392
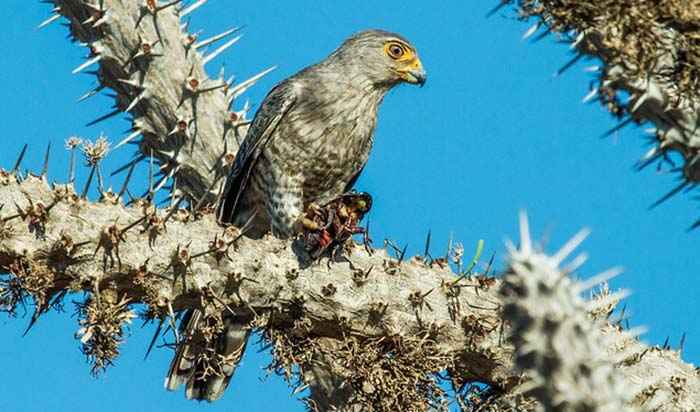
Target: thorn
x=670, y=194
x=497, y=8
x=89, y=181
x=126, y=180
x=173, y=192
x=18, y=163
x=242, y=87
x=525, y=245
x=532, y=30
x=45, y=168
x=568, y=65
x=132, y=224
x=192, y=8
x=87, y=64
x=220, y=50
x=200, y=201
x=150, y=177
x=103, y=118
x=173, y=209
x=127, y=139
x=49, y=20
x=126, y=166
x=136, y=101
x=640, y=100
x=213, y=39
x=32, y=321
x=165, y=178
x=682, y=344
x=593, y=93
x=71, y=166
x=101, y=21
x=570, y=245
x=403, y=253
x=598, y=279
x=578, y=40
x=426, y=252
x=542, y=35
x=490, y=264
x=90, y=93
x=665, y=346
x=617, y=128
x=650, y=157
x=155, y=337
x=132, y=82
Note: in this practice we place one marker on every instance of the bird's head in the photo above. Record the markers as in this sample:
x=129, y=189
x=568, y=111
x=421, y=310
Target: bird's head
x=383, y=57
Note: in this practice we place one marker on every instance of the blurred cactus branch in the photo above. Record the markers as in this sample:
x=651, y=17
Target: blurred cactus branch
x=650, y=72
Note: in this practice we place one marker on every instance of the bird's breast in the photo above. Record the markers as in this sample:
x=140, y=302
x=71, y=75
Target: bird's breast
x=326, y=144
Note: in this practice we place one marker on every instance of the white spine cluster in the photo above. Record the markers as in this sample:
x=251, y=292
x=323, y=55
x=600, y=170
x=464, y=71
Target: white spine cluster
x=559, y=345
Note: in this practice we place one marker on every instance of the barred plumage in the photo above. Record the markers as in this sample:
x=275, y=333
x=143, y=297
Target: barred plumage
x=308, y=143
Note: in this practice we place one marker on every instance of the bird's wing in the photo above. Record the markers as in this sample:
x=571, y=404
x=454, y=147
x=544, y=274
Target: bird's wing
x=273, y=109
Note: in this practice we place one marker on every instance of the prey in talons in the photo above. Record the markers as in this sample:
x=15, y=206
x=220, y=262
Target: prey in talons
x=328, y=227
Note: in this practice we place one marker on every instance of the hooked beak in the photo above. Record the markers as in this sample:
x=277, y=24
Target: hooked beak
x=415, y=74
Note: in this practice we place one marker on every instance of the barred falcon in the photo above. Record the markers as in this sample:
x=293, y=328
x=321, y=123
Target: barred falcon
x=307, y=144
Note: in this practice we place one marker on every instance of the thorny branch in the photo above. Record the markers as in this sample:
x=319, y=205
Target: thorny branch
x=650, y=51
x=360, y=341
x=143, y=52
x=368, y=329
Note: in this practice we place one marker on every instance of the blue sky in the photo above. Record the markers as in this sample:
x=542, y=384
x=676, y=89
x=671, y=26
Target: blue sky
x=491, y=133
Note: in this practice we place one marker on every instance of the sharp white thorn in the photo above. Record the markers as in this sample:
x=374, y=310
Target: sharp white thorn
x=576, y=263
x=127, y=139
x=525, y=243
x=192, y=7
x=531, y=30
x=242, y=87
x=131, y=82
x=578, y=40
x=570, y=245
x=136, y=101
x=640, y=100
x=220, y=50
x=89, y=94
x=593, y=93
x=598, y=279
x=87, y=64
x=165, y=179
x=651, y=153
x=101, y=21
x=212, y=39
x=48, y=21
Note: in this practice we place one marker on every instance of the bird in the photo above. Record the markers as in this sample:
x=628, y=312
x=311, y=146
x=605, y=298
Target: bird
x=307, y=144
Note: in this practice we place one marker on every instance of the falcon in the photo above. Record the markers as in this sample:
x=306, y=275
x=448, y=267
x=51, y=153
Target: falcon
x=307, y=144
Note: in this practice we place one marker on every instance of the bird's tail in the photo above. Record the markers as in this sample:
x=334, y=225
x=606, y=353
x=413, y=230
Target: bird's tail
x=206, y=365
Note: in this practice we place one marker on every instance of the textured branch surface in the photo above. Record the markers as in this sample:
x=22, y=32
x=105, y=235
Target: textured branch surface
x=180, y=116
x=383, y=334
x=651, y=51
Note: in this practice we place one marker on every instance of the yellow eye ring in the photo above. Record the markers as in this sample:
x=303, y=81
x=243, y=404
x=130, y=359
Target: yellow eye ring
x=395, y=50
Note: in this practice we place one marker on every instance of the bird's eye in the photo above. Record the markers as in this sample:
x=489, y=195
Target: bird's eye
x=395, y=50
